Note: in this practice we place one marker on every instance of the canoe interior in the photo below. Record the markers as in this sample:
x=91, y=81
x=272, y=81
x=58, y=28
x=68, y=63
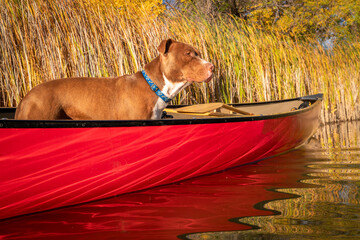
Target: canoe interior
x=256, y=109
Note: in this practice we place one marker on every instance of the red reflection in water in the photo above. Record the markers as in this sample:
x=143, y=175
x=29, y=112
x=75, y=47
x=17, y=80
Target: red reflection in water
x=197, y=205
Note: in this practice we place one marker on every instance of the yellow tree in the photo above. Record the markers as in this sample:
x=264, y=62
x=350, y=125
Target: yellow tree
x=323, y=18
x=300, y=18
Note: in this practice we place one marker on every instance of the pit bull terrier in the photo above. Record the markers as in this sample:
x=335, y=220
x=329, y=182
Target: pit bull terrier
x=142, y=95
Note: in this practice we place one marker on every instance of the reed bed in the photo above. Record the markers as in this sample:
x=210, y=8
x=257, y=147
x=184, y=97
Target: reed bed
x=41, y=40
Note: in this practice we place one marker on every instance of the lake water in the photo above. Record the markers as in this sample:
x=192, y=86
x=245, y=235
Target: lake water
x=309, y=193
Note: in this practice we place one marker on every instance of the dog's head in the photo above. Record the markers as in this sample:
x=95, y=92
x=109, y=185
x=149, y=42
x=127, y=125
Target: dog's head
x=182, y=62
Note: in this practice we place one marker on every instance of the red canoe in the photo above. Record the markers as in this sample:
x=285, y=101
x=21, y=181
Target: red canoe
x=51, y=164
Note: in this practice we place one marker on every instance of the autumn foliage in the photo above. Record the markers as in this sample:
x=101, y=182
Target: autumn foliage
x=297, y=18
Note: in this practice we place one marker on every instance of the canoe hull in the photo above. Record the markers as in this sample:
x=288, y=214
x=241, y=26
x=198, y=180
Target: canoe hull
x=46, y=168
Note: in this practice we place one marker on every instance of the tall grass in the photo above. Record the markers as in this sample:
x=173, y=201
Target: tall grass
x=41, y=40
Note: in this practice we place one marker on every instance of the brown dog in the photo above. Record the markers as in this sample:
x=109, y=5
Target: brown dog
x=120, y=98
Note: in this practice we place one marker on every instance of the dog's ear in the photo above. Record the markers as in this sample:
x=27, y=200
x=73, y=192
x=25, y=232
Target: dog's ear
x=165, y=45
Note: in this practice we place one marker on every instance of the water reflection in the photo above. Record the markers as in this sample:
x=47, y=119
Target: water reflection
x=311, y=193
x=329, y=208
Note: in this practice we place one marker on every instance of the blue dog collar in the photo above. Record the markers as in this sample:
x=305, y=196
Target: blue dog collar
x=155, y=88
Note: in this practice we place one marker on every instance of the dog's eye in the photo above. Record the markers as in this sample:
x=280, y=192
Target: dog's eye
x=188, y=53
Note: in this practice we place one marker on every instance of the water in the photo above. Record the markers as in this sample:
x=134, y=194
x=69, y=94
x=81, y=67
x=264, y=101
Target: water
x=310, y=193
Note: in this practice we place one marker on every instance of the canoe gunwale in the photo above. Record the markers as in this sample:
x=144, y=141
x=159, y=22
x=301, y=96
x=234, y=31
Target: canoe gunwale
x=11, y=123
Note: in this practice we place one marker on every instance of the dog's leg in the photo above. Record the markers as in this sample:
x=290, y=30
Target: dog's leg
x=33, y=107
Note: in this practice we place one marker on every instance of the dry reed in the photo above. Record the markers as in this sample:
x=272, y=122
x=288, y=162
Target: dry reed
x=41, y=40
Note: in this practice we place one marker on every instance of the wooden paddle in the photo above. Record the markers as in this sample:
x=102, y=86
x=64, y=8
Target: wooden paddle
x=208, y=109
x=200, y=108
x=236, y=110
